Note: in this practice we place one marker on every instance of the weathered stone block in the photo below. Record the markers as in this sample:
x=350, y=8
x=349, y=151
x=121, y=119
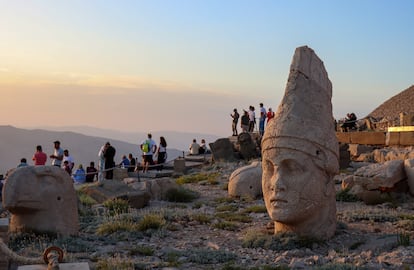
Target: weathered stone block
x=392, y=138
x=369, y=138
x=343, y=137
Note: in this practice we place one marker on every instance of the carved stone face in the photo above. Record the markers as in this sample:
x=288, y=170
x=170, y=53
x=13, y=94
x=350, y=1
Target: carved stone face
x=293, y=187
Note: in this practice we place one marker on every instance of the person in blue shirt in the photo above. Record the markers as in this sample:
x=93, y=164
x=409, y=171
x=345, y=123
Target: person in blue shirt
x=79, y=177
x=125, y=162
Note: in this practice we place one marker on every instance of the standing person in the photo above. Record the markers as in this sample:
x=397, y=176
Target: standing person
x=161, y=153
x=148, y=148
x=70, y=160
x=39, y=157
x=109, y=156
x=101, y=165
x=57, y=156
x=252, y=118
x=245, y=121
x=270, y=115
x=262, y=119
x=235, y=117
x=132, y=163
x=91, y=172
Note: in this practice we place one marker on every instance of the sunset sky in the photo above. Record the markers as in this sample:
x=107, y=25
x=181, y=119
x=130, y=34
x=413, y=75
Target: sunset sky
x=184, y=65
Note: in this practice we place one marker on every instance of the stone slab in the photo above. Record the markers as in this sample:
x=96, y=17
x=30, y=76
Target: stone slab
x=343, y=137
x=392, y=138
x=62, y=266
x=400, y=138
x=406, y=138
x=369, y=138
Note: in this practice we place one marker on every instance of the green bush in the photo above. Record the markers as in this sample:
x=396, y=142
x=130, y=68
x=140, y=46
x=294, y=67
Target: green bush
x=345, y=196
x=181, y=195
x=151, y=221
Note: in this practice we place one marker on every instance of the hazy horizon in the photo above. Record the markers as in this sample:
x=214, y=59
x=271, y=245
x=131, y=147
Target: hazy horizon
x=184, y=65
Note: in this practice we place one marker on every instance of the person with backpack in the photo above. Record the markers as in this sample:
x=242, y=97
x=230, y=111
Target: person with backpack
x=148, y=148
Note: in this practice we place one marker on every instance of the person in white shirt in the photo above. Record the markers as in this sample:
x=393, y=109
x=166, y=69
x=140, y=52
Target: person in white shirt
x=67, y=157
x=194, y=148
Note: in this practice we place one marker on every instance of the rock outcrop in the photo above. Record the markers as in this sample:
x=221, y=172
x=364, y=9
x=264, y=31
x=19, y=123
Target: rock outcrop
x=41, y=199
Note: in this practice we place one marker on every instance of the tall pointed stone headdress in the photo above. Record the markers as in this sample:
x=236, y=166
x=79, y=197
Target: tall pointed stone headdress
x=304, y=120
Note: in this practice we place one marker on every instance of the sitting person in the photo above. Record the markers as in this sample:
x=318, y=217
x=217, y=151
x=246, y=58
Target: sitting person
x=79, y=177
x=67, y=167
x=132, y=163
x=194, y=148
x=91, y=172
x=125, y=162
x=203, y=147
x=350, y=122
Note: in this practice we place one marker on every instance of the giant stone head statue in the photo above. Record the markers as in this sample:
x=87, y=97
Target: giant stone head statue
x=300, y=152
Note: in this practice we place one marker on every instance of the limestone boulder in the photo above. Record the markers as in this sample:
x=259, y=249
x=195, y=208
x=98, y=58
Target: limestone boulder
x=157, y=188
x=409, y=170
x=110, y=190
x=357, y=149
x=223, y=150
x=120, y=173
x=380, y=176
x=246, y=181
x=41, y=199
x=247, y=147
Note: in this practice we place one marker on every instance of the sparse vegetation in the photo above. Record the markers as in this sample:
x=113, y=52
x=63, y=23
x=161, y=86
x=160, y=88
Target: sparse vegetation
x=202, y=218
x=403, y=239
x=255, y=209
x=345, y=196
x=116, y=206
x=180, y=195
x=226, y=225
x=151, y=221
x=231, y=216
x=141, y=250
x=278, y=242
x=115, y=263
x=210, y=178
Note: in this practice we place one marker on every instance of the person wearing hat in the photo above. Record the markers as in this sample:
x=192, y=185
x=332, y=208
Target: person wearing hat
x=235, y=117
x=57, y=156
x=300, y=153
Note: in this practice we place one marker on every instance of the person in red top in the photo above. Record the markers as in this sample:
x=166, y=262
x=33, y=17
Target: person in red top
x=270, y=114
x=39, y=157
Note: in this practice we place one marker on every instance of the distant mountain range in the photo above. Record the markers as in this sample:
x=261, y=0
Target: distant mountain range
x=83, y=143
x=175, y=139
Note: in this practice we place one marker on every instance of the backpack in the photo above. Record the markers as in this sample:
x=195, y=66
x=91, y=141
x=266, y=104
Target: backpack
x=146, y=146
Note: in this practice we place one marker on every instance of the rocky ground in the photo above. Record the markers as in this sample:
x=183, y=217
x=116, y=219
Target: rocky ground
x=217, y=232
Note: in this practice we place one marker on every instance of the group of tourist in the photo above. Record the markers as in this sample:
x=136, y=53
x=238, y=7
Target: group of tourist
x=61, y=158
x=248, y=119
